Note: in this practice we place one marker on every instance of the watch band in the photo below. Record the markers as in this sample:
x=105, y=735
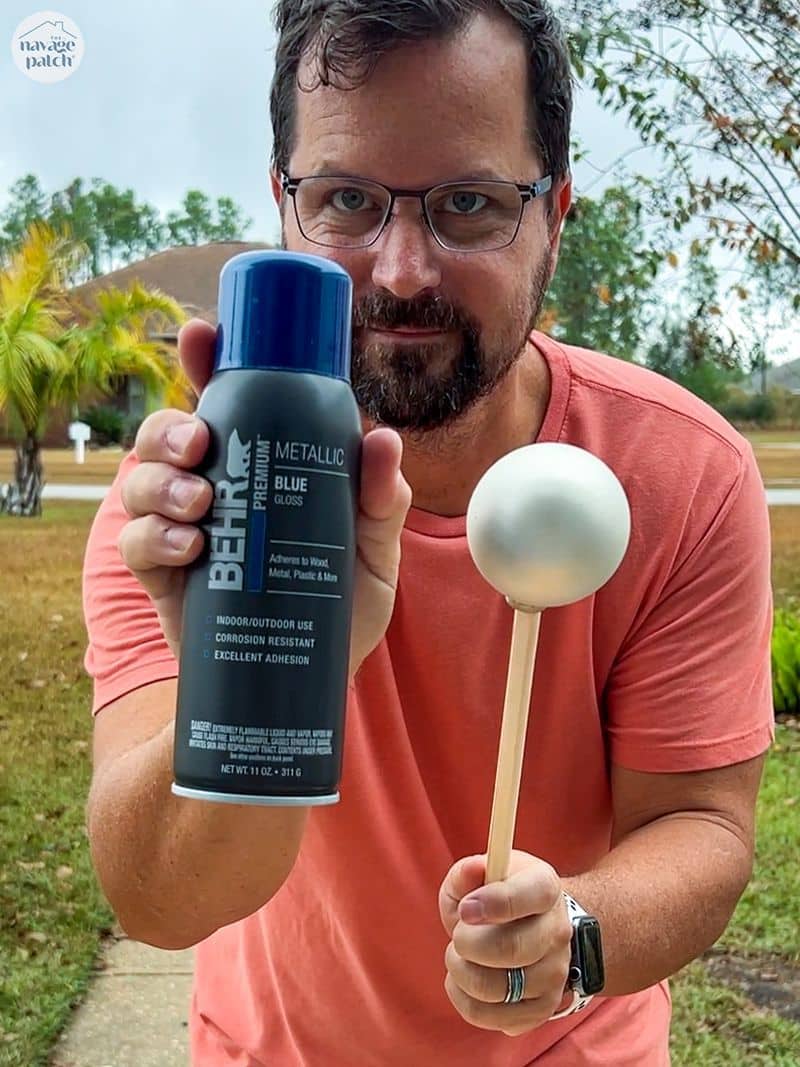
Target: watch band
x=579, y=1002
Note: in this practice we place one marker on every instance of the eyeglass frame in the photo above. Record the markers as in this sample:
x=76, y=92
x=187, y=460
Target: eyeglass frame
x=529, y=192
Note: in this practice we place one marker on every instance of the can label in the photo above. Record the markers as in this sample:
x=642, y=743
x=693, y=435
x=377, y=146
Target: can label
x=265, y=644
x=282, y=476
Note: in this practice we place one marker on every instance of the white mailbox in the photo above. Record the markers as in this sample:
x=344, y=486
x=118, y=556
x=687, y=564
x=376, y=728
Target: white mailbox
x=80, y=433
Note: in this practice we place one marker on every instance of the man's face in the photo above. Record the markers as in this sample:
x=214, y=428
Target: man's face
x=434, y=330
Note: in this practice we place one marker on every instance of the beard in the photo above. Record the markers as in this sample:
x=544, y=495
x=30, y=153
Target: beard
x=396, y=385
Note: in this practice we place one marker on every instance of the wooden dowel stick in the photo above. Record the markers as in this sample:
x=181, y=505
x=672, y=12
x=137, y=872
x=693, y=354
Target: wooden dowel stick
x=524, y=640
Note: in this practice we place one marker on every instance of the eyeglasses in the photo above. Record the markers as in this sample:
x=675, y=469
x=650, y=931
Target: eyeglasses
x=479, y=216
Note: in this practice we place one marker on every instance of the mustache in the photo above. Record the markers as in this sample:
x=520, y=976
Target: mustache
x=384, y=312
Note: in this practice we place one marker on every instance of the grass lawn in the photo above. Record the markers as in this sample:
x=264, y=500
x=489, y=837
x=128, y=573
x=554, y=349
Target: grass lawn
x=60, y=466
x=772, y=436
x=52, y=913
x=785, y=526
x=727, y=1008
x=778, y=464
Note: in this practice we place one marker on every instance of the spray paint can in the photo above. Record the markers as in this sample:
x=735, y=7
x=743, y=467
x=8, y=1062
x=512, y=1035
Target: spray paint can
x=262, y=688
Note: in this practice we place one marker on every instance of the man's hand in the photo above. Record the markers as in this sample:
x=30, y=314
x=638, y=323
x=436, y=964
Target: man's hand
x=167, y=502
x=521, y=922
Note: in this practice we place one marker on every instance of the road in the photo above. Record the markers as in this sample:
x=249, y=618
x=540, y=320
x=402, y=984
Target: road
x=74, y=492
x=775, y=497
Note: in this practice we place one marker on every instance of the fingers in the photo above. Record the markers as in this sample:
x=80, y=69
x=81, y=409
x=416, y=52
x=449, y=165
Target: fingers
x=514, y=944
x=196, y=345
x=161, y=489
x=165, y=502
x=152, y=542
x=157, y=553
x=173, y=437
x=478, y=959
x=490, y=984
x=510, y=1019
x=532, y=889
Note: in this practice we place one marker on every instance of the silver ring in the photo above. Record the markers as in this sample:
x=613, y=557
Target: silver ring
x=515, y=984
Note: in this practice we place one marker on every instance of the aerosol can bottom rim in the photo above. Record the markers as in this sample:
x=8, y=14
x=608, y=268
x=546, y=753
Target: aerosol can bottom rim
x=250, y=798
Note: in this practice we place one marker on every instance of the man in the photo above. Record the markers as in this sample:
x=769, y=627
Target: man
x=319, y=937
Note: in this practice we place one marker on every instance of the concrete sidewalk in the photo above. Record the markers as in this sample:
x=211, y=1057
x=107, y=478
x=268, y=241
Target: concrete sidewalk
x=776, y=497
x=135, y=1013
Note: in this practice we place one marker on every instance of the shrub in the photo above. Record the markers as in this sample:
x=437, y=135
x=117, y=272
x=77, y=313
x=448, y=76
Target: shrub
x=756, y=409
x=762, y=409
x=786, y=662
x=107, y=423
x=130, y=429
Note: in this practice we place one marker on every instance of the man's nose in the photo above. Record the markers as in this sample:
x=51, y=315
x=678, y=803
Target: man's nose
x=406, y=255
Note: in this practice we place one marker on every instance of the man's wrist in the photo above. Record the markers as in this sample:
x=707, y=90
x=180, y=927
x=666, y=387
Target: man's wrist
x=565, y=1004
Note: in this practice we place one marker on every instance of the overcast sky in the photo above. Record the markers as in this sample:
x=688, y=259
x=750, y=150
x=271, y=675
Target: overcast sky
x=174, y=94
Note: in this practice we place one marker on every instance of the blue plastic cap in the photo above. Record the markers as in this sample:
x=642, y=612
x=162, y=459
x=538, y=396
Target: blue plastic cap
x=284, y=311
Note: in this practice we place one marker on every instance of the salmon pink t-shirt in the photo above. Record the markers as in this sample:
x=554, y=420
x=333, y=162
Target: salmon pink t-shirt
x=665, y=669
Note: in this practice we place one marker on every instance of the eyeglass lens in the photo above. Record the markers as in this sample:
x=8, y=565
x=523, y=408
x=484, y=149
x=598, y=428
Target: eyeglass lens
x=343, y=213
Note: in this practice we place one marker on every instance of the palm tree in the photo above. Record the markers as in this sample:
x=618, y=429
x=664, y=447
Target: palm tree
x=33, y=312
x=52, y=348
x=110, y=341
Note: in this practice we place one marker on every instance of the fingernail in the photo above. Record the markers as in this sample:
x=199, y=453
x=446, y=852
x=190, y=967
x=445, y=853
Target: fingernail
x=183, y=492
x=180, y=537
x=472, y=910
x=179, y=437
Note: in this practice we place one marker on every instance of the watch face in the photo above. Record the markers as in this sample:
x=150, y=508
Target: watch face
x=590, y=955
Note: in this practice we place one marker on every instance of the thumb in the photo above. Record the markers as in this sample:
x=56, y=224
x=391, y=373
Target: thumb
x=197, y=341
x=384, y=502
x=462, y=878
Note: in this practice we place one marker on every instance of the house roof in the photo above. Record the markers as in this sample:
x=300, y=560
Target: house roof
x=187, y=273
x=782, y=376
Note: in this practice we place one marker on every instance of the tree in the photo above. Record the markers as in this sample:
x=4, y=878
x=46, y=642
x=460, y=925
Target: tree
x=32, y=316
x=231, y=223
x=150, y=236
x=692, y=347
x=714, y=85
x=197, y=222
x=28, y=203
x=115, y=228
x=52, y=348
x=764, y=307
x=74, y=210
x=601, y=293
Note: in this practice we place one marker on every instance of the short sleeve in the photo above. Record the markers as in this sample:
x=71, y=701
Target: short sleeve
x=691, y=688
x=126, y=647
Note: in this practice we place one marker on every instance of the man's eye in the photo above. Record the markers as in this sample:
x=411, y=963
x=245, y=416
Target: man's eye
x=351, y=200
x=464, y=202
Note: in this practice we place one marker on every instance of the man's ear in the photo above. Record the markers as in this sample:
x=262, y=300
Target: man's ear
x=562, y=204
x=275, y=182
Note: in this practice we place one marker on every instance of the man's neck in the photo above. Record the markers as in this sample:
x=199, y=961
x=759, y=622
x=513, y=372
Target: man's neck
x=443, y=467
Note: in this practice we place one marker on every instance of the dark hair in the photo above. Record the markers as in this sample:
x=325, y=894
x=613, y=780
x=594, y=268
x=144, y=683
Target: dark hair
x=348, y=37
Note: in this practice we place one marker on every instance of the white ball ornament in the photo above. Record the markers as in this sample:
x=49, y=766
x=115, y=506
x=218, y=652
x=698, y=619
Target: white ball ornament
x=548, y=524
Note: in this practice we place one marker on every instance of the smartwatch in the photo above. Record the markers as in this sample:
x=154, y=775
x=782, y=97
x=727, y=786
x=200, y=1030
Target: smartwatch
x=586, y=970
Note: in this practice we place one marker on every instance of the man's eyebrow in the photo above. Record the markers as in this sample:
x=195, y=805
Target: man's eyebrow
x=326, y=169
x=488, y=174
x=329, y=170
